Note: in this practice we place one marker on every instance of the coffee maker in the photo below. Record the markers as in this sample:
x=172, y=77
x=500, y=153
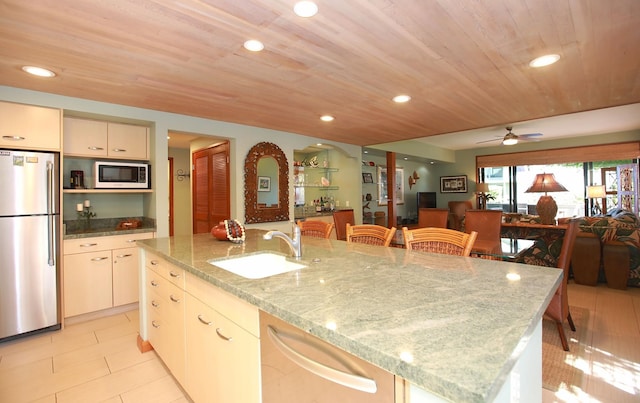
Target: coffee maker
x=77, y=180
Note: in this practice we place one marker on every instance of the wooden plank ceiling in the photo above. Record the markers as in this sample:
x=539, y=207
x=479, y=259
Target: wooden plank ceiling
x=464, y=63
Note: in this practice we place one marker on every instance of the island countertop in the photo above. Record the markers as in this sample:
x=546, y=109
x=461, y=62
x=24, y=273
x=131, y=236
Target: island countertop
x=453, y=326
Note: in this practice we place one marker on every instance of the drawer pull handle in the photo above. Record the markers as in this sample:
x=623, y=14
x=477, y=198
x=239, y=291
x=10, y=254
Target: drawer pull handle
x=222, y=336
x=153, y=283
x=125, y=255
x=174, y=274
x=203, y=321
x=87, y=245
x=95, y=148
x=154, y=263
x=350, y=380
x=154, y=304
x=155, y=324
x=97, y=259
x=174, y=299
x=13, y=138
x=119, y=150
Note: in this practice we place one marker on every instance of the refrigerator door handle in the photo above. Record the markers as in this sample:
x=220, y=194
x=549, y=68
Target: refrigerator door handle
x=50, y=221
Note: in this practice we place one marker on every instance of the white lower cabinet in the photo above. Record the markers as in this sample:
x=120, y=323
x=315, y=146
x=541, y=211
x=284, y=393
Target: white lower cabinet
x=100, y=272
x=222, y=358
x=208, y=338
x=165, y=319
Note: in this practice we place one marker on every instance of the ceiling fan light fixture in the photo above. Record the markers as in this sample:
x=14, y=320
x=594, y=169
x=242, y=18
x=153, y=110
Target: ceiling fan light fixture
x=510, y=139
x=305, y=9
x=544, y=60
x=326, y=118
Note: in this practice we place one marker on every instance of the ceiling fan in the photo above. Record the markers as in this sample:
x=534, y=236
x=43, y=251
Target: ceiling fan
x=510, y=138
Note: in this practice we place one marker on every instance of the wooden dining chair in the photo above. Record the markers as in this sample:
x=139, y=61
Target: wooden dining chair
x=439, y=240
x=370, y=234
x=340, y=219
x=457, y=210
x=487, y=224
x=558, y=309
x=315, y=228
x=433, y=217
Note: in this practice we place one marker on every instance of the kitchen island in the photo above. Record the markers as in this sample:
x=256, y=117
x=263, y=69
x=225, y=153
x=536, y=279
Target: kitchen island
x=453, y=327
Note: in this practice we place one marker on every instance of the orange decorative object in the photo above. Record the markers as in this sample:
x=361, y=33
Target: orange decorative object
x=219, y=232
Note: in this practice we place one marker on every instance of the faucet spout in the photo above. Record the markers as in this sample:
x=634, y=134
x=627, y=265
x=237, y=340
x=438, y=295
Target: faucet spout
x=295, y=244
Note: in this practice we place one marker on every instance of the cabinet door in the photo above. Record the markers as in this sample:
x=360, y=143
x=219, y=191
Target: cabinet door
x=201, y=380
x=125, y=276
x=85, y=137
x=128, y=141
x=237, y=363
x=87, y=282
x=28, y=126
x=222, y=358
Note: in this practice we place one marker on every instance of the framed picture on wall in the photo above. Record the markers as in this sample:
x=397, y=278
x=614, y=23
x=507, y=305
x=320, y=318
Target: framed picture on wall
x=453, y=184
x=367, y=177
x=264, y=184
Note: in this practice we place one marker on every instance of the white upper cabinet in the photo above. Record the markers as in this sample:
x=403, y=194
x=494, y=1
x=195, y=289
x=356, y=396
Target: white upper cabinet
x=94, y=138
x=29, y=127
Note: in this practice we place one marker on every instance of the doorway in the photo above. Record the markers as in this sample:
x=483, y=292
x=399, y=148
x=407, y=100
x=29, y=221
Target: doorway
x=211, y=190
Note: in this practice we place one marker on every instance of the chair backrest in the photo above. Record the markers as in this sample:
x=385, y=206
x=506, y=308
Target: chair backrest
x=486, y=223
x=370, y=234
x=340, y=219
x=457, y=210
x=564, y=260
x=433, y=217
x=315, y=228
x=439, y=240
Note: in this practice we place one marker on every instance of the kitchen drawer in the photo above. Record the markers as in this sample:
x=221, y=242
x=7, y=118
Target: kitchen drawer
x=82, y=245
x=165, y=269
x=240, y=312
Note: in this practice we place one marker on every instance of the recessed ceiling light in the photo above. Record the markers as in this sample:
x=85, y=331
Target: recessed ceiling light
x=319, y=144
x=406, y=158
x=326, y=118
x=544, y=60
x=305, y=9
x=253, y=45
x=38, y=71
x=366, y=152
x=401, y=98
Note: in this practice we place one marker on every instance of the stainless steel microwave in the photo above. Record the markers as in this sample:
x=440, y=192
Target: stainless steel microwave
x=121, y=175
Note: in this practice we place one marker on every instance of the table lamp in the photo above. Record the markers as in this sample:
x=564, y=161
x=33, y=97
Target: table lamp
x=596, y=192
x=546, y=207
x=482, y=189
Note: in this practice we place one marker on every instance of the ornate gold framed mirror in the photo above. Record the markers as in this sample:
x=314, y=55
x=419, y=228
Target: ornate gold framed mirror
x=266, y=184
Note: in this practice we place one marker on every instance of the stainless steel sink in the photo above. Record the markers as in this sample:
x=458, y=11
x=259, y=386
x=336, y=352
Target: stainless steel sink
x=259, y=265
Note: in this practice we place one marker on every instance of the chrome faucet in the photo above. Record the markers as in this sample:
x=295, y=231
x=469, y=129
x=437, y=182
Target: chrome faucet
x=295, y=244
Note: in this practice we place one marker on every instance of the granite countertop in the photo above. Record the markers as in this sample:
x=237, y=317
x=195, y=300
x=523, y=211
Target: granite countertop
x=461, y=320
x=76, y=229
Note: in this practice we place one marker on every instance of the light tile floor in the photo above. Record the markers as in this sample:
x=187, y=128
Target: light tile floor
x=94, y=361
x=98, y=360
x=611, y=359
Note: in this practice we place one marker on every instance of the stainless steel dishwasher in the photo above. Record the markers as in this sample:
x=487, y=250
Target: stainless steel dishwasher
x=299, y=367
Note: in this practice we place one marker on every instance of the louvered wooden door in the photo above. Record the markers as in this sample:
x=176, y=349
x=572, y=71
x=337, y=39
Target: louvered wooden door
x=211, y=199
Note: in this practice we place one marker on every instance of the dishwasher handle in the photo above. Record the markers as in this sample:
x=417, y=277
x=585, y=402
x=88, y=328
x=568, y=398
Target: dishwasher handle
x=349, y=380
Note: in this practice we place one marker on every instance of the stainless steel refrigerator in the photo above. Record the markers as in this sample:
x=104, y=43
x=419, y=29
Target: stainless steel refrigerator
x=30, y=245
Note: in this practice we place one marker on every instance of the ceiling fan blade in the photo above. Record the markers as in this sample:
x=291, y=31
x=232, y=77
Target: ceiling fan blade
x=489, y=141
x=530, y=135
